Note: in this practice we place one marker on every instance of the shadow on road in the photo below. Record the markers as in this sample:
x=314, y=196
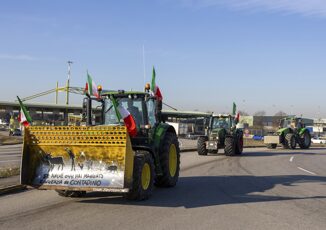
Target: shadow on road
x=203, y=191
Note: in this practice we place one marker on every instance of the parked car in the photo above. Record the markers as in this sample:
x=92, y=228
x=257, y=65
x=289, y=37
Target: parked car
x=317, y=140
x=258, y=138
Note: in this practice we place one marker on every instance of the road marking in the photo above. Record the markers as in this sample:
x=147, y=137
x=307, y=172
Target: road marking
x=307, y=171
x=9, y=161
x=10, y=155
x=291, y=159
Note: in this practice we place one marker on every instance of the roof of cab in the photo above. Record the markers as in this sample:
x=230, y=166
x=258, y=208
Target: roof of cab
x=122, y=92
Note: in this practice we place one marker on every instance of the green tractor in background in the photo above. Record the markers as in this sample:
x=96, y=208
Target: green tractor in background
x=292, y=131
x=221, y=132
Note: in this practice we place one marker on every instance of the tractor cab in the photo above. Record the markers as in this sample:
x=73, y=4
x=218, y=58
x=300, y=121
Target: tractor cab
x=144, y=109
x=222, y=122
x=291, y=122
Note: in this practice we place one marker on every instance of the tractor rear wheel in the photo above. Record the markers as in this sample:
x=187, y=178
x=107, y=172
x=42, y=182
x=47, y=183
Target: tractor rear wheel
x=170, y=162
x=143, y=177
x=305, y=140
x=271, y=146
x=201, y=146
x=230, y=146
x=290, y=140
x=70, y=193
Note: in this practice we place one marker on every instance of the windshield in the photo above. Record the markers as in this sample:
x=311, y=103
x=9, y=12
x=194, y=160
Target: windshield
x=134, y=106
x=288, y=123
x=220, y=123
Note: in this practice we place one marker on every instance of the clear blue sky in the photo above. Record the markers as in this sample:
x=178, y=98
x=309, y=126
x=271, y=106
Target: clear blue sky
x=265, y=54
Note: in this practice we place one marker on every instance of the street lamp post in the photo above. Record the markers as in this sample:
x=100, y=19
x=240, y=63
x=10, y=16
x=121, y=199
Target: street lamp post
x=68, y=81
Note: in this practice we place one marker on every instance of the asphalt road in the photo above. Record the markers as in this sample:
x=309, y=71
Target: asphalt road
x=10, y=155
x=262, y=189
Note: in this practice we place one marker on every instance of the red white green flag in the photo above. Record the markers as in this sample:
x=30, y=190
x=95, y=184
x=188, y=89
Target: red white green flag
x=154, y=88
x=235, y=113
x=126, y=116
x=24, y=118
x=91, y=87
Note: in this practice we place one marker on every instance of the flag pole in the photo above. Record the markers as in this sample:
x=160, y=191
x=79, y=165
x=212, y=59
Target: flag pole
x=144, y=65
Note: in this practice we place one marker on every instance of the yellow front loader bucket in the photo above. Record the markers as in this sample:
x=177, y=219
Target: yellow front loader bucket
x=83, y=158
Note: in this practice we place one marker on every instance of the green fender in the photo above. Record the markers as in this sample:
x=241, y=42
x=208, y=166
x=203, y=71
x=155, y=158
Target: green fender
x=303, y=130
x=283, y=131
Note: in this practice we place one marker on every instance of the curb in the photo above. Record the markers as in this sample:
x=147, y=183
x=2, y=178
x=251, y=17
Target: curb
x=12, y=189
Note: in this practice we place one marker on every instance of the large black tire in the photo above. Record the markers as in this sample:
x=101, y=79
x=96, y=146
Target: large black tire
x=143, y=177
x=201, y=146
x=70, y=193
x=305, y=140
x=230, y=146
x=170, y=161
x=239, y=145
x=271, y=146
x=290, y=141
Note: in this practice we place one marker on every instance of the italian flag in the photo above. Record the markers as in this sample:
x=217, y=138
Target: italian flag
x=24, y=118
x=154, y=88
x=237, y=118
x=126, y=116
x=235, y=113
x=91, y=87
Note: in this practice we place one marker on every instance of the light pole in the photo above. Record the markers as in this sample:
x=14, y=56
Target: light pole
x=68, y=81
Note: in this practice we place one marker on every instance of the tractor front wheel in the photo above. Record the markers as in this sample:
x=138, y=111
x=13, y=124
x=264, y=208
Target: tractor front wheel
x=201, y=146
x=305, y=140
x=290, y=140
x=143, y=177
x=170, y=162
x=230, y=146
x=271, y=146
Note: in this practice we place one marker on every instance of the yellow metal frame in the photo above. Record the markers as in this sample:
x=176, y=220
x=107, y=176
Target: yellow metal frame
x=104, y=143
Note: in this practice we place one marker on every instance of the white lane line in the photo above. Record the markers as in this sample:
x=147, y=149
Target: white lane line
x=307, y=171
x=15, y=155
x=9, y=161
x=291, y=159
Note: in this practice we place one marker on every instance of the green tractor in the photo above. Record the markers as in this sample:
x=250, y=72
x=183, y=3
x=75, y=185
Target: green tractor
x=102, y=155
x=221, y=132
x=292, y=131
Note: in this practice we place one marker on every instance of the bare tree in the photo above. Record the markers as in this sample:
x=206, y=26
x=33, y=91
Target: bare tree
x=277, y=117
x=280, y=114
x=260, y=113
x=243, y=113
x=259, y=119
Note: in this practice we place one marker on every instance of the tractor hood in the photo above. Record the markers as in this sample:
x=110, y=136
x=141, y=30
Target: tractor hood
x=214, y=133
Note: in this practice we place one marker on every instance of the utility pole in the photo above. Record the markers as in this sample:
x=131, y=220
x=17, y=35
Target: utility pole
x=68, y=81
